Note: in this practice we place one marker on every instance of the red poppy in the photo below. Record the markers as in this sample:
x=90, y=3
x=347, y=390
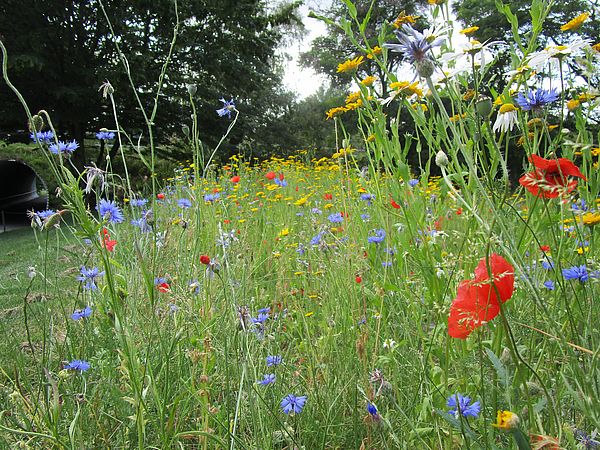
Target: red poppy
x=358, y=279
x=476, y=301
x=550, y=178
x=281, y=177
x=160, y=196
x=235, y=179
x=107, y=243
x=545, y=248
x=394, y=204
x=205, y=259
x=328, y=196
x=270, y=175
x=163, y=287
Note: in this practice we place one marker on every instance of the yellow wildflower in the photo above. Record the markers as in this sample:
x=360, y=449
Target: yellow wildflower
x=506, y=420
x=406, y=87
x=468, y=95
x=333, y=112
x=374, y=51
x=350, y=64
x=368, y=81
x=403, y=18
x=284, y=232
x=301, y=201
x=469, y=30
x=353, y=97
x=457, y=117
x=371, y=138
x=435, y=2
x=352, y=106
x=596, y=151
x=575, y=23
x=423, y=106
x=590, y=218
x=596, y=47
x=573, y=104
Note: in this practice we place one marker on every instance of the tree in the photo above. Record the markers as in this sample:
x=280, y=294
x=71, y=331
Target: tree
x=60, y=52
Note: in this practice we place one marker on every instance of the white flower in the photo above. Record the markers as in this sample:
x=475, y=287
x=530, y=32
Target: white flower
x=389, y=343
x=558, y=52
x=506, y=118
x=473, y=52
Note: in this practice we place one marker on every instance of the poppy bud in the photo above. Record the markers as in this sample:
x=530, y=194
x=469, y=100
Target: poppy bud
x=441, y=159
x=483, y=105
x=36, y=124
x=191, y=88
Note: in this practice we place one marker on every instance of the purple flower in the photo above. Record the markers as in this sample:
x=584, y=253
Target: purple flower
x=292, y=404
x=88, y=276
x=365, y=217
x=105, y=135
x=379, y=236
x=78, y=364
x=45, y=214
x=110, y=211
x=210, y=198
x=45, y=137
x=461, y=406
x=549, y=285
x=64, y=147
x=576, y=273
x=184, y=203
x=536, y=100
x=138, y=202
x=336, y=218
x=280, y=183
x=267, y=379
x=274, y=360
x=413, y=182
x=226, y=110
x=81, y=313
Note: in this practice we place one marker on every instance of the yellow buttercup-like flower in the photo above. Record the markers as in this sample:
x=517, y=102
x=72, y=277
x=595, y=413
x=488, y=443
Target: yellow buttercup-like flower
x=350, y=65
x=575, y=23
x=368, y=81
x=404, y=18
x=506, y=420
x=469, y=30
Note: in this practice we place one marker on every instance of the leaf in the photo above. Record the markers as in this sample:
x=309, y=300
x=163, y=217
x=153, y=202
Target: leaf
x=456, y=424
x=500, y=369
x=351, y=8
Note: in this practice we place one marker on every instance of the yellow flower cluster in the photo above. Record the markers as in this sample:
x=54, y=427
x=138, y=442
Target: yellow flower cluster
x=350, y=65
x=404, y=18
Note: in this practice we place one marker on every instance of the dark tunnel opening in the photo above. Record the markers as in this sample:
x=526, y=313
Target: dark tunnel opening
x=21, y=190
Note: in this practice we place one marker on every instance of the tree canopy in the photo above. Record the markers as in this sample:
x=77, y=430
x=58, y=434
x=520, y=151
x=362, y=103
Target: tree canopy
x=60, y=52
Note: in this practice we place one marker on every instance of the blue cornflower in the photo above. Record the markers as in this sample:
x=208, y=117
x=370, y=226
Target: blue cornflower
x=386, y=264
x=265, y=310
x=227, y=109
x=105, y=135
x=547, y=264
x=138, y=202
x=45, y=214
x=78, y=364
x=110, y=211
x=365, y=217
x=373, y=413
x=316, y=240
x=88, y=276
x=194, y=286
x=301, y=250
x=378, y=237
x=536, y=100
x=367, y=198
x=316, y=211
x=184, y=203
x=413, y=182
x=576, y=273
x=64, y=147
x=142, y=224
x=274, y=360
x=260, y=319
x=209, y=198
x=587, y=441
x=267, y=379
x=461, y=405
x=81, y=313
x=549, y=285
x=415, y=47
x=292, y=404
x=336, y=218
x=45, y=137
x=281, y=183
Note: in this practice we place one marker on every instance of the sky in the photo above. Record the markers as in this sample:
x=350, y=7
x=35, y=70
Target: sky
x=302, y=80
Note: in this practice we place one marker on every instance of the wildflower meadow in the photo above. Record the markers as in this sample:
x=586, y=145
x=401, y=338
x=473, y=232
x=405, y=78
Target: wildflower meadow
x=356, y=300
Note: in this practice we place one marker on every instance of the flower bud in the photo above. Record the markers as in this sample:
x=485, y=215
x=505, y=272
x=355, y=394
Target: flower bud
x=425, y=68
x=191, y=88
x=186, y=130
x=441, y=159
x=483, y=105
x=36, y=124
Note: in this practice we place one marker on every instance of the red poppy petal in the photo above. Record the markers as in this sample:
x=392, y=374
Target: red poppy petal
x=503, y=274
x=470, y=309
x=568, y=168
